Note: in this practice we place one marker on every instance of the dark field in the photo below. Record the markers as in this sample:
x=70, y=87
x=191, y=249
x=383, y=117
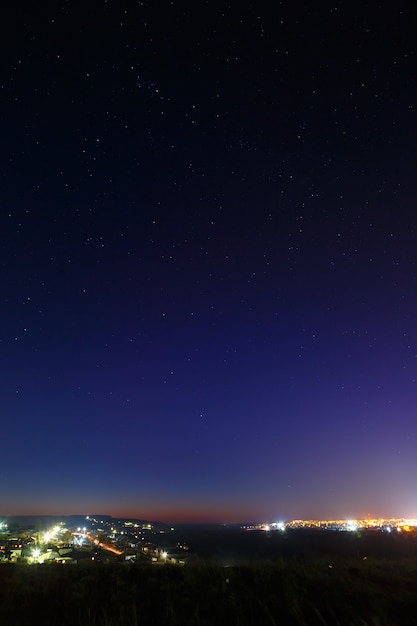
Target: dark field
x=303, y=578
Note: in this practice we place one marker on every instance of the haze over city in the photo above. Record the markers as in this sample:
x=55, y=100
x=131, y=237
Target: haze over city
x=208, y=261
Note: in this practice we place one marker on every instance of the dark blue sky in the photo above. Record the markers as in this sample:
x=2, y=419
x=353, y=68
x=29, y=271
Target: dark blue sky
x=208, y=260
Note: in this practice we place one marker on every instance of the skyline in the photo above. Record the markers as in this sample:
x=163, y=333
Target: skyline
x=208, y=261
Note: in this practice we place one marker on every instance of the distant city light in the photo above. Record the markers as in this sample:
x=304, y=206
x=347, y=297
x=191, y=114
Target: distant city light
x=387, y=525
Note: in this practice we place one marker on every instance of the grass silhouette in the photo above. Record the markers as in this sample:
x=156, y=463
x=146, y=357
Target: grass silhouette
x=381, y=593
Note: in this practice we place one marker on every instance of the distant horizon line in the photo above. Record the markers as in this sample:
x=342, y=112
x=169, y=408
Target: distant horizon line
x=207, y=522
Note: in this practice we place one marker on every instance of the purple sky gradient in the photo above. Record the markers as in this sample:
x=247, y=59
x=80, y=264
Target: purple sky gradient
x=208, y=261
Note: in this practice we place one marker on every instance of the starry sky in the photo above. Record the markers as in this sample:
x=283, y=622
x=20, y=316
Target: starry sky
x=208, y=259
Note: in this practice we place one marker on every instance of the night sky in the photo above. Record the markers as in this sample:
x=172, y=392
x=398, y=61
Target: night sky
x=208, y=259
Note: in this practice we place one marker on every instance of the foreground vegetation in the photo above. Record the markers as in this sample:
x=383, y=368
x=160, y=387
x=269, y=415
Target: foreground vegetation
x=380, y=593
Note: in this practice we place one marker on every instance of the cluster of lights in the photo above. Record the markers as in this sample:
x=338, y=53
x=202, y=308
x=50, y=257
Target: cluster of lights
x=267, y=527
x=51, y=535
x=351, y=525
x=44, y=547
